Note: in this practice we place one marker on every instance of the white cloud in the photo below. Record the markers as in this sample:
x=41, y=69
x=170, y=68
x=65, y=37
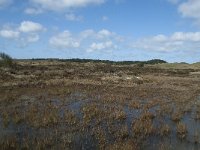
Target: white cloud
x=189, y=36
x=33, y=11
x=107, y=35
x=160, y=38
x=64, y=40
x=88, y=40
x=87, y=33
x=58, y=5
x=103, y=34
x=178, y=41
x=73, y=17
x=4, y=3
x=25, y=33
x=10, y=34
x=29, y=26
x=108, y=45
x=190, y=9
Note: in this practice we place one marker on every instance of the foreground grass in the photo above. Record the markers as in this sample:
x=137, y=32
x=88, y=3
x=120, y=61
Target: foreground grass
x=65, y=105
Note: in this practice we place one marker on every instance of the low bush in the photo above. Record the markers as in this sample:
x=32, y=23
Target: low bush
x=5, y=60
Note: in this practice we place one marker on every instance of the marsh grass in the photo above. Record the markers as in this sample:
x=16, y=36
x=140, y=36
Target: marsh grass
x=105, y=121
x=165, y=130
x=71, y=118
x=17, y=118
x=122, y=133
x=121, y=145
x=143, y=128
x=6, y=119
x=62, y=105
x=100, y=136
x=9, y=142
x=135, y=105
x=120, y=115
x=177, y=116
x=181, y=130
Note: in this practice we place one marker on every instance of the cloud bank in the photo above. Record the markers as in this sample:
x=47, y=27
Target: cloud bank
x=88, y=40
x=178, y=41
x=27, y=32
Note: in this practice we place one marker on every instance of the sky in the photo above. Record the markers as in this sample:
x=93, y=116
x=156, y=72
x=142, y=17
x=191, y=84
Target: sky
x=101, y=29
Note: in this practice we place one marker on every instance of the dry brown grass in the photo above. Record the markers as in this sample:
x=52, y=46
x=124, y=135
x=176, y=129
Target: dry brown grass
x=119, y=115
x=70, y=118
x=129, y=145
x=176, y=117
x=135, y=105
x=9, y=142
x=181, y=130
x=143, y=127
x=165, y=130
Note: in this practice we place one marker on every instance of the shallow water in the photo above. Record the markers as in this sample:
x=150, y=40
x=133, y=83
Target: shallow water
x=86, y=140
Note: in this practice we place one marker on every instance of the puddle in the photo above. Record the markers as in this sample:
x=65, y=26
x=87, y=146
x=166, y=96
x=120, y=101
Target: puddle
x=76, y=108
x=131, y=114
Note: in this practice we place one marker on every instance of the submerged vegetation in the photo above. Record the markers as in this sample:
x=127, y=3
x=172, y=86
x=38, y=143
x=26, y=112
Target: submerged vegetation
x=53, y=104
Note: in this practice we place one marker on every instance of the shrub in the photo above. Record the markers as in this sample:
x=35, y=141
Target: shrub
x=155, y=61
x=181, y=130
x=5, y=60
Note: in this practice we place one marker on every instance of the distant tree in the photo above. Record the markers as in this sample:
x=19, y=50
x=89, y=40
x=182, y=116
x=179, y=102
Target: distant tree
x=183, y=63
x=155, y=61
x=5, y=60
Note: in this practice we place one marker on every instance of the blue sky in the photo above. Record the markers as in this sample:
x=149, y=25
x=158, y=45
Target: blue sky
x=101, y=29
